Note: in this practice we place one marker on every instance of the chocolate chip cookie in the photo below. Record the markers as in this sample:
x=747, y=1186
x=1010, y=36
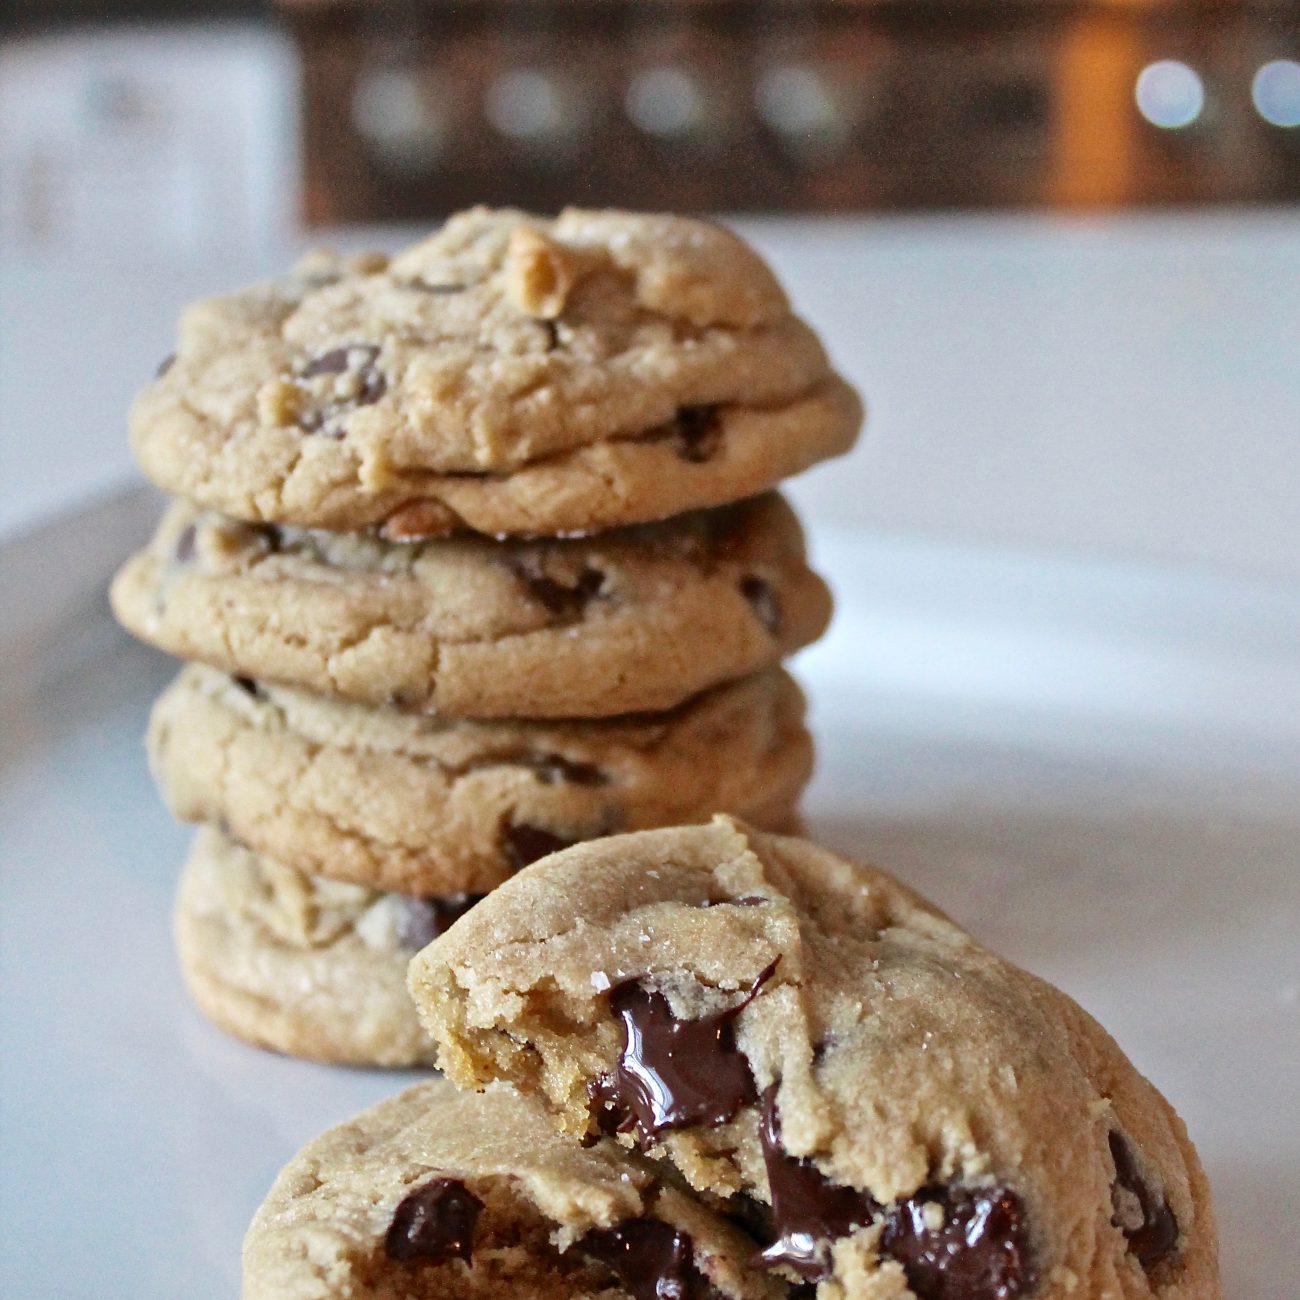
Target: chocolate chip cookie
x=509, y=374
x=891, y=1109
x=639, y=619
x=440, y=1195
x=430, y=805
x=299, y=964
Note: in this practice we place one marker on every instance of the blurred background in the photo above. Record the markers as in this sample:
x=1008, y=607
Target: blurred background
x=1054, y=242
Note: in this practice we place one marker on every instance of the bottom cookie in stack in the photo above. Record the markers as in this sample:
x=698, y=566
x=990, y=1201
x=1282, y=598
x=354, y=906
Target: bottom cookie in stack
x=468, y=1196
x=301, y=964
x=342, y=839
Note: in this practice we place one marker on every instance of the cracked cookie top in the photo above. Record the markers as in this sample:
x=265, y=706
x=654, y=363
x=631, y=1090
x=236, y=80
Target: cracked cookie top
x=895, y=1112
x=593, y=351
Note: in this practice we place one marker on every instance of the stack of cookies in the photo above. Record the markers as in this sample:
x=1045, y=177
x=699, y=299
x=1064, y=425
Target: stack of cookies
x=475, y=555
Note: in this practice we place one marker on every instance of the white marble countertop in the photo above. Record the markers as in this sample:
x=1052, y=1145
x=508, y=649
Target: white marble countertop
x=1126, y=386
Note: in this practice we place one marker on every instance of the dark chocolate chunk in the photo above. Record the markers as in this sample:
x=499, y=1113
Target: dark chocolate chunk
x=672, y=1073
x=525, y=844
x=165, y=365
x=762, y=600
x=422, y=920
x=373, y=387
x=808, y=1210
x=185, y=544
x=1149, y=1226
x=552, y=331
x=335, y=361
x=698, y=432
x=980, y=1251
x=555, y=769
x=559, y=599
x=434, y=1223
x=752, y=1216
x=249, y=686
x=652, y=1259
x=357, y=357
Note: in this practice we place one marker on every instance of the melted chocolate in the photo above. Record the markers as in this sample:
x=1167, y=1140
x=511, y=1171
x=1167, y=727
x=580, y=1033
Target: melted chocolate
x=698, y=432
x=422, y=920
x=434, y=1223
x=979, y=1252
x=1156, y=1237
x=762, y=600
x=650, y=1258
x=808, y=1210
x=560, y=600
x=672, y=1073
x=525, y=844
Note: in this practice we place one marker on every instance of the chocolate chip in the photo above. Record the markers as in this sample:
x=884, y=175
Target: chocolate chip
x=762, y=600
x=249, y=686
x=334, y=362
x=422, y=920
x=554, y=769
x=186, y=544
x=808, y=1210
x=672, y=1073
x=525, y=844
x=1146, y=1220
x=978, y=1251
x=359, y=358
x=698, y=432
x=434, y=1223
x=165, y=365
x=559, y=599
x=653, y=1260
x=552, y=334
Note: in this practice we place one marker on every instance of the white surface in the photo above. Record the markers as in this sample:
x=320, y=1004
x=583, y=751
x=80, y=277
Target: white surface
x=148, y=140
x=1096, y=769
x=1122, y=386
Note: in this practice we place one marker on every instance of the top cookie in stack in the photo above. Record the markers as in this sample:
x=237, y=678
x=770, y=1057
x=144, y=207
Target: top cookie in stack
x=508, y=375
x=520, y=474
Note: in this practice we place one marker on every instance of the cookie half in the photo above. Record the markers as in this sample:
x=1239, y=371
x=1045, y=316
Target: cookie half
x=894, y=1110
x=431, y=805
x=440, y=1195
x=631, y=621
x=629, y=367
x=299, y=964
